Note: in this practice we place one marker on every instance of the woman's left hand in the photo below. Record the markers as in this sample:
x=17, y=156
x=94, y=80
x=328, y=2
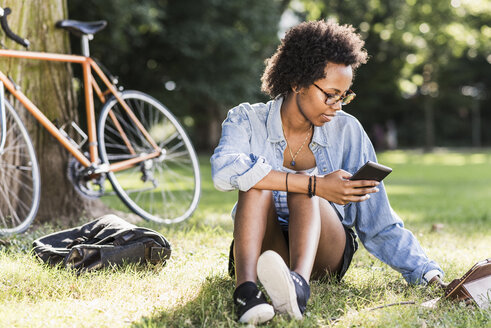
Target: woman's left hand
x=338, y=188
x=438, y=282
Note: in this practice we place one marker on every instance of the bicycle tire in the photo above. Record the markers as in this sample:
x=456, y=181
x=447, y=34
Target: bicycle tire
x=20, y=182
x=164, y=189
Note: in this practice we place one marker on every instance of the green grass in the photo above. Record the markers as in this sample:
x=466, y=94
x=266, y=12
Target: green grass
x=193, y=289
x=169, y=198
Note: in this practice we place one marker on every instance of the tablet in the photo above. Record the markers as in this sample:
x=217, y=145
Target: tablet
x=371, y=171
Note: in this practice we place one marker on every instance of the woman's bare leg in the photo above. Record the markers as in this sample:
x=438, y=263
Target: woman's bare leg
x=304, y=232
x=332, y=242
x=317, y=237
x=256, y=229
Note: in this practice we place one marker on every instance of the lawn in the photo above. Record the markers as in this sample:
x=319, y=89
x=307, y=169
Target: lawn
x=443, y=197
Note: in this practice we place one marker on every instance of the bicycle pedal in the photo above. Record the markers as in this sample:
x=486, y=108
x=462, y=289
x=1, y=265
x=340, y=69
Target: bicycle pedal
x=73, y=142
x=81, y=133
x=78, y=130
x=103, y=168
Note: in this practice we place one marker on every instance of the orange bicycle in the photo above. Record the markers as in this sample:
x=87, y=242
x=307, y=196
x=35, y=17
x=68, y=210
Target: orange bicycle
x=137, y=144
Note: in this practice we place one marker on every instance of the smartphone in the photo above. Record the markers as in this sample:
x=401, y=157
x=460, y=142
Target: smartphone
x=371, y=171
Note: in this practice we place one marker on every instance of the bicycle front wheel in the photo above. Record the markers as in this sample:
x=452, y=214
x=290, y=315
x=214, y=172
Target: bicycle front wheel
x=19, y=177
x=165, y=189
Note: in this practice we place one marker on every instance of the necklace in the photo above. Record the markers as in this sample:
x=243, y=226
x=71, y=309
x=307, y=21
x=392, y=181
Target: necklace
x=292, y=163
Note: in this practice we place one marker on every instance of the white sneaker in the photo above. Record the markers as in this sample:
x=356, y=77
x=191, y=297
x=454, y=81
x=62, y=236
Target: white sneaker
x=288, y=291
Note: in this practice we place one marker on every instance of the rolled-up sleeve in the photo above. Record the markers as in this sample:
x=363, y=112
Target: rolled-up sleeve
x=233, y=164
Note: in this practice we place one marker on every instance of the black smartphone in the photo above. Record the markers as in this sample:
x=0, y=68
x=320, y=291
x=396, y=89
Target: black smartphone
x=371, y=171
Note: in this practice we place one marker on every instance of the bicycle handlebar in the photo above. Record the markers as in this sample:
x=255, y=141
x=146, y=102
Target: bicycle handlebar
x=5, y=26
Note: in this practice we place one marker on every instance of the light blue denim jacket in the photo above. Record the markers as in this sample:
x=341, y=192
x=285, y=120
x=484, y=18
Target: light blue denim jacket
x=252, y=144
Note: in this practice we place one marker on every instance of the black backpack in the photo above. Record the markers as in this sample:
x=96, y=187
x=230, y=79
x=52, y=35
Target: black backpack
x=106, y=241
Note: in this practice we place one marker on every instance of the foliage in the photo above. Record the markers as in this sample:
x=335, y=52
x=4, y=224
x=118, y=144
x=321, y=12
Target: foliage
x=193, y=289
x=423, y=54
x=210, y=51
x=202, y=57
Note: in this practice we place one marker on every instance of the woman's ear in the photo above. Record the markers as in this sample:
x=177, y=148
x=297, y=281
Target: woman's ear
x=295, y=89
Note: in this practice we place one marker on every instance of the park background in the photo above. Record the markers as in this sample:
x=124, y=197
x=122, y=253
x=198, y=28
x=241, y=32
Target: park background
x=427, y=82
x=428, y=77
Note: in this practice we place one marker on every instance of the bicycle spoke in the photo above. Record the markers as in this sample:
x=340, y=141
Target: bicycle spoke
x=152, y=189
x=169, y=139
x=20, y=182
x=19, y=176
x=140, y=107
x=19, y=201
x=114, y=158
x=12, y=210
x=134, y=129
x=17, y=167
x=177, y=176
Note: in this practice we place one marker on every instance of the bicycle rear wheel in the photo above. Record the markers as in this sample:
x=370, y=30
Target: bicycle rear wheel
x=165, y=189
x=19, y=177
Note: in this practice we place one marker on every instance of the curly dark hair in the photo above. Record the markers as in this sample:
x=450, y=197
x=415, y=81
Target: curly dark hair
x=304, y=52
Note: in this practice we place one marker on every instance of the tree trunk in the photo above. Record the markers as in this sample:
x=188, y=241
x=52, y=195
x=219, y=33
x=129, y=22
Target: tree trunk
x=208, y=127
x=49, y=86
x=476, y=123
x=429, y=124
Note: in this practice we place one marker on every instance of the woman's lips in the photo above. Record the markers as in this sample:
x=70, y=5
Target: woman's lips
x=328, y=117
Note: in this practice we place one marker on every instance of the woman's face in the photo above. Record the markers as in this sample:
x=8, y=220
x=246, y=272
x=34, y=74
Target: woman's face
x=311, y=101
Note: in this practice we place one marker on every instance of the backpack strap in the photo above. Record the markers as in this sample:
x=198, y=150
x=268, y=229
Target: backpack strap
x=159, y=254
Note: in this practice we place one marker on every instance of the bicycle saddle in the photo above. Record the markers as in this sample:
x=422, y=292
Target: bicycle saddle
x=80, y=28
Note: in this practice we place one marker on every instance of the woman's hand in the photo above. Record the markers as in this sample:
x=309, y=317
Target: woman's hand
x=438, y=282
x=337, y=188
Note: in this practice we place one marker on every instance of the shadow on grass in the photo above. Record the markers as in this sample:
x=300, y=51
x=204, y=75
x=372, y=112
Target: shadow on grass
x=211, y=307
x=330, y=302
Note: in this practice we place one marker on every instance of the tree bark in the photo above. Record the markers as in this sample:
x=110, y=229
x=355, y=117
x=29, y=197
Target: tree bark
x=208, y=128
x=476, y=124
x=429, y=124
x=49, y=86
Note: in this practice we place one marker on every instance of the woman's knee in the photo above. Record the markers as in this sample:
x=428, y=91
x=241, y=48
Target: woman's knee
x=256, y=195
x=255, y=199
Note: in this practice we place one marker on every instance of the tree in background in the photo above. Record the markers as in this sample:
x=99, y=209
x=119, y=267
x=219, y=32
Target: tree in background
x=199, y=57
x=430, y=63
x=49, y=85
x=428, y=74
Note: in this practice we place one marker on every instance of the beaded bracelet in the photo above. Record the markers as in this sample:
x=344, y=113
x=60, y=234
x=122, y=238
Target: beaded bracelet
x=310, y=187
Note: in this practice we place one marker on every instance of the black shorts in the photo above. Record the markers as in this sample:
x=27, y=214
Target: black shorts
x=349, y=251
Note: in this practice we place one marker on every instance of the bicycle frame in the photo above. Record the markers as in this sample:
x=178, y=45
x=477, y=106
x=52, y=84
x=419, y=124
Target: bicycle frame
x=90, y=84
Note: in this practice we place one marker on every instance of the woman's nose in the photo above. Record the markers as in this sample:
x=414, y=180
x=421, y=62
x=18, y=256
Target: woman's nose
x=337, y=106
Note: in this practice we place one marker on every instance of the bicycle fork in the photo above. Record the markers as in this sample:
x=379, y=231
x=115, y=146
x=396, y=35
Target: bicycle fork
x=3, y=123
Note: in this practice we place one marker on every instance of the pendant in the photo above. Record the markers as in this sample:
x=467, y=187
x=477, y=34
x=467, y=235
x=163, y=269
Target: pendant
x=292, y=163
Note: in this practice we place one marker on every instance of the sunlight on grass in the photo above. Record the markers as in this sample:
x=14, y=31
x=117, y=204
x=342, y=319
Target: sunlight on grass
x=402, y=190
x=447, y=189
x=395, y=157
x=454, y=159
x=442, y=157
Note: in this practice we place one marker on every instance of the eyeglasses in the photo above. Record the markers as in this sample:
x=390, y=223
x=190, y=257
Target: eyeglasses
x=332, y=99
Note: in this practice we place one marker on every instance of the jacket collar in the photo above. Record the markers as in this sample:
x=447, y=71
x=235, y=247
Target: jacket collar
x=274, y=125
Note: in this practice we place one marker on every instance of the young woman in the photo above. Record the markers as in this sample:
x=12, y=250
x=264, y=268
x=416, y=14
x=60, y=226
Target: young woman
x=290, y=160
